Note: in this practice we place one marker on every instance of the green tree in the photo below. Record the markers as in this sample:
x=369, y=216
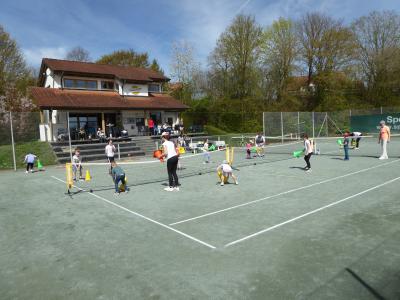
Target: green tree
x=15, y=76
x=240, y=46
x=126, y=58
x=279, y=52
x=156, y=67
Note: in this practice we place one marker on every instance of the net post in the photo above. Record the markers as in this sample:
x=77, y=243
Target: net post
x=12, y=142
x=282, y=126
x=313, y=125
x=68, y=173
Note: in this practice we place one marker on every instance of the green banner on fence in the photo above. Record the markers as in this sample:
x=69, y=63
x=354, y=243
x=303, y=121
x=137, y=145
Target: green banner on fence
x=371, y=123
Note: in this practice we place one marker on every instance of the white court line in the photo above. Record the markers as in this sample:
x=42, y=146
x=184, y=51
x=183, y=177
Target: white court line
x=142, y=216
x=310, y=213
x=283, y=193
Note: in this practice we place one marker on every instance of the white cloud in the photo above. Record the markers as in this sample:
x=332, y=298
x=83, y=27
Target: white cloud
x=34, y=56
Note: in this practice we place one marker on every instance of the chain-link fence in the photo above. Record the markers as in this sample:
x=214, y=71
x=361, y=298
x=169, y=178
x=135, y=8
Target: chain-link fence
x=322, y=124
x=20, y=135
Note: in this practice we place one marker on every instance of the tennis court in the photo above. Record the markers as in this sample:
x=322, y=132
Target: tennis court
x=281, y=233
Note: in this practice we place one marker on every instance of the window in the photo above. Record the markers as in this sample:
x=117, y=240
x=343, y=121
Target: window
x=155, y=88
x=117, y=87
x=107, y=85
x=80, y=84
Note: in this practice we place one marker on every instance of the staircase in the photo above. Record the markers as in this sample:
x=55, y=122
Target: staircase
x=95, y=150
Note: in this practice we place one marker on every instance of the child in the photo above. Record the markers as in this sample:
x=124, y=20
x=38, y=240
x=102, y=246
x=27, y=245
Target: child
x=346, y=144
x=118, y=175
x=77, y=164
x=30, y=160
x=308, y=151
x=206, y=153
x=224, y=171
x=248, y=150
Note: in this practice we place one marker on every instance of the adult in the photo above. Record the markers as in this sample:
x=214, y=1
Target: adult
x=384, y=138
x=151, y=126
x=356, y=137
x=172, y=162
x=260, y=143
x=110, y=152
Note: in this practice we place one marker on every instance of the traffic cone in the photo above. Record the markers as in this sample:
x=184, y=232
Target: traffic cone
x=39, y=165
x=88, y=177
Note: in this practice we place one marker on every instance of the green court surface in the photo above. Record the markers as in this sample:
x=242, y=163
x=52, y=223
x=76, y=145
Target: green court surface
x=281, y=233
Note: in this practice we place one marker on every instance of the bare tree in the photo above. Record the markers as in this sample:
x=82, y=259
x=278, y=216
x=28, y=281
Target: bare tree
x=78, y=54
x=378, y=40
x=326, y=44
x=184, y=68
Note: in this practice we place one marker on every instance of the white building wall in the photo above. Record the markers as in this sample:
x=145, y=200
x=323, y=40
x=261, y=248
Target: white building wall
x=52, y=80
x=135, y=89
x=169, y=114
x=129, y=119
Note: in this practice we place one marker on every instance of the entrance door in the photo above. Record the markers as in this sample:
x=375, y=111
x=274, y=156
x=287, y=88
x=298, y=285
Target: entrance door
x=111, y=120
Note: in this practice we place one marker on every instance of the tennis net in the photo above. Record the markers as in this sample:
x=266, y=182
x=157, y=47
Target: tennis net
x=153, y=171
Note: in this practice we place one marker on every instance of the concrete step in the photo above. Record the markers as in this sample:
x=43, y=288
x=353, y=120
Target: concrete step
x=91, y=146
x=94, y=157
x=84, y=153
x=88, y=142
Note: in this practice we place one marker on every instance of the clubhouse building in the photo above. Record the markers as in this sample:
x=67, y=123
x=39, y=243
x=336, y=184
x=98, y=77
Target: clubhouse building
x=92, y=96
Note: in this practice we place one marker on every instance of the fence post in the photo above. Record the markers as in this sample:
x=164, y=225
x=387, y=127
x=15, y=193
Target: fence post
x=12, y=142
x=263, y=116
x=69, y=137
x=313, y=125
x=282, y=126
x=298, y=125
x=327, y=124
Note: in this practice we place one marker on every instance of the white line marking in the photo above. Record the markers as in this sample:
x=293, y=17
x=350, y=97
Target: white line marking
x=283, y=193
x=310, y=213
x=142, y=216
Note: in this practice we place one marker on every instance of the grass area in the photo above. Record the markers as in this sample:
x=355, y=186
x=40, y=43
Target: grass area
x=40, y=149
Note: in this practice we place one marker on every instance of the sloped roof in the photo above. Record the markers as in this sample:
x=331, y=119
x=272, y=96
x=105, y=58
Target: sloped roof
x=46, y=98
x=121, y=72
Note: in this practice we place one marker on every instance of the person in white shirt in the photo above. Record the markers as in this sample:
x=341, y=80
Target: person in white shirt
x=206, y=153
x=101, y=135
x=30, y=160
x=356, y=138
x=169, y=152
x=77, y=164
x=308, y=151
x=110, y=152
x=260, y=143
x=224, y=171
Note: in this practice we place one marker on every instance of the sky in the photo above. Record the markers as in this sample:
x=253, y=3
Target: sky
x=49, y=28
